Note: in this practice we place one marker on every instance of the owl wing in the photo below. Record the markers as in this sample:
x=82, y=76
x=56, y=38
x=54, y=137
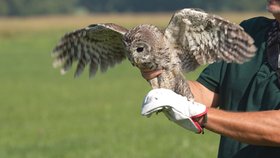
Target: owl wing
x=202, y=38
x=99, y=45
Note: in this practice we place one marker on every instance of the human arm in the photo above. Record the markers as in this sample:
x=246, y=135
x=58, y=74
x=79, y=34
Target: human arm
x=203, y=95
x=257, y=128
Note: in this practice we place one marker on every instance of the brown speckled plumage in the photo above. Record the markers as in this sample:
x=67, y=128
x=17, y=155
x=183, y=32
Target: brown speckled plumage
x=192, y=38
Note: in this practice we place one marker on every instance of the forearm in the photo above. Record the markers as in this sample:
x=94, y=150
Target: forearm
x=258, y=128
x=203, y=95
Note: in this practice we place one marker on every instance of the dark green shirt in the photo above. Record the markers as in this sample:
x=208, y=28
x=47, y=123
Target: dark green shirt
x=251, y=86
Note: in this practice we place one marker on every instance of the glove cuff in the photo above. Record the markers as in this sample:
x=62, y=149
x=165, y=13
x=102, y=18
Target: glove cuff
x=200, y=121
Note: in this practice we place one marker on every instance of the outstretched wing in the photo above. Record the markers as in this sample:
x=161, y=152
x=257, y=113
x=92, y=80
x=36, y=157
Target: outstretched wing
x=202, y=38
x=99, y=45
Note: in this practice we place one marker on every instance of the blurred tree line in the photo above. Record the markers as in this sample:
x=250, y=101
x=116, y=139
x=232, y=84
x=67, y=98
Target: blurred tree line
x=42, y=7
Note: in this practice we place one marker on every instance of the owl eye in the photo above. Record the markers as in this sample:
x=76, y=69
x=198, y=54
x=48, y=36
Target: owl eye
x=140, y=49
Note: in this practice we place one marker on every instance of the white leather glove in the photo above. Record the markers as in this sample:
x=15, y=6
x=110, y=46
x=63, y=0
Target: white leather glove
x=176, y=108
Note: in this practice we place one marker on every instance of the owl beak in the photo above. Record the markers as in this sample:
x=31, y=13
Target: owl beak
x=136, y=63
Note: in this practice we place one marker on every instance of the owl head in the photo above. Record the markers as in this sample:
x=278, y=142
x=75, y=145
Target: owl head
x=144, y=43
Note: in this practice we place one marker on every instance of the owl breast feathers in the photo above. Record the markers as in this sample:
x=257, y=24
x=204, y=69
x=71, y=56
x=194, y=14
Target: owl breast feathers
x=192, y=38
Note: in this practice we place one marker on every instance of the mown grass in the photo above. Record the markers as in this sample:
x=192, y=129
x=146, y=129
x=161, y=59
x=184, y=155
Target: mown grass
x=46, y=115
x=13, y=24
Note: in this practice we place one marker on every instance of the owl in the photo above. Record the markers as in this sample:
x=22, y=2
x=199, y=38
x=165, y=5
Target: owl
x=192, y=38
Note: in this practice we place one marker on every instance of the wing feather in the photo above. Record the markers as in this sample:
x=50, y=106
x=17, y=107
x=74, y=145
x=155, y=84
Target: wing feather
x=99, y=45
x=202, y=38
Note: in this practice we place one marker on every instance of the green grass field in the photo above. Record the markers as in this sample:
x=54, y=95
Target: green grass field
x=46, y=115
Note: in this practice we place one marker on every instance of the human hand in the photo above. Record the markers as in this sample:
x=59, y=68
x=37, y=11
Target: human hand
x=176, y=108
x=150, y=74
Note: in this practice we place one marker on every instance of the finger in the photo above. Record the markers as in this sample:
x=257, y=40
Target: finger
x=148, y=75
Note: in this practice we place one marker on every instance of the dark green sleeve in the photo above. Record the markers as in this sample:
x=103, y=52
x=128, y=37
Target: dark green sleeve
x=211, y=76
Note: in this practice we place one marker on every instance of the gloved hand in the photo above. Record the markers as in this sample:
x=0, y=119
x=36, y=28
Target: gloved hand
x=176, y=107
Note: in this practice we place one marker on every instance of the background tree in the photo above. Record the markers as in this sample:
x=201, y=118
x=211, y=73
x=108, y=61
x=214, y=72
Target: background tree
x=42, y=7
